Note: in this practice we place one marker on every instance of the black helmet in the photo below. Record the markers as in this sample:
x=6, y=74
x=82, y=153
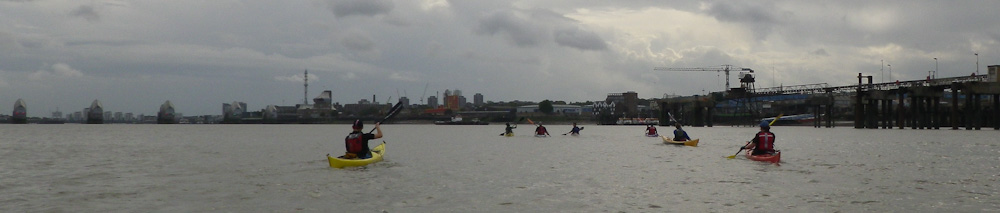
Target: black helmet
x=358, y=124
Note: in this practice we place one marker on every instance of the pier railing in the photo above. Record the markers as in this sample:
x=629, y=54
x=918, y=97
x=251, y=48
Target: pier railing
x=824, y=87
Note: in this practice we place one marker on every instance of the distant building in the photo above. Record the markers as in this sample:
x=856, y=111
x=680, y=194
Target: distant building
x=404, y=101
x=95, y=114
x=432, y=101
x=233, y=113
x=77, y=117
x=477, y=99
x=556, y=108
x=57, y=114
x=992, y=72
x=363, y=107
x=167, y=114
x=627, y=103
x=20, y=115
x=321, y=110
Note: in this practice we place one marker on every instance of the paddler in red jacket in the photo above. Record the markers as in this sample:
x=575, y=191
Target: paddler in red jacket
x=650, y=130
x=540, y=130
x=763, y=141
x=357, y=142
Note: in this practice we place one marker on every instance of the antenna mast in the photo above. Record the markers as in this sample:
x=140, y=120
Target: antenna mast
x=305, y=96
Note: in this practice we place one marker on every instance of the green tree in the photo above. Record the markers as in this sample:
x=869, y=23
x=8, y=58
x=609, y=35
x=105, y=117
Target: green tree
x=545, y=106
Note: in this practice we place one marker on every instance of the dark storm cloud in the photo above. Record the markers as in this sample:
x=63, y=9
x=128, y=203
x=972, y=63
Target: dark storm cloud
x=761, y=18
x=580, y=39
x=518, y=29
x=360, y=7
x=86, y=12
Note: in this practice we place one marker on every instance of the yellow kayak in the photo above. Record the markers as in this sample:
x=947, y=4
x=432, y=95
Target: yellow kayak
x=377, y=153
x=667, y=140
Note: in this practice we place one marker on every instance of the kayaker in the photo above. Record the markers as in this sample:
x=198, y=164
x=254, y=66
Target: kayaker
x=357, y=142
x=509, y=129
x=540, y=130
x=575, y=130
x=650, y=130
x=763, y=141
x=680, y=134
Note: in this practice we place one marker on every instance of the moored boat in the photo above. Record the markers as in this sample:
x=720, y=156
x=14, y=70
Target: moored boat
x=339, y=163
x=457, y=120
x=667, y=140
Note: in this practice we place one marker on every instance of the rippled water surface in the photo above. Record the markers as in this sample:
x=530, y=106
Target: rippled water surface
x=282, y=168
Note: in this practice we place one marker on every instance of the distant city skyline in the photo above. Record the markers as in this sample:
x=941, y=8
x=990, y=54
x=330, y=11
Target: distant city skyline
x=135, y=55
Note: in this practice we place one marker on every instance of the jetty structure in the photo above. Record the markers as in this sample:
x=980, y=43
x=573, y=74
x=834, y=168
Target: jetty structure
x=20, y=114
x=969, y=102
x=95, y=114
x=166, y=115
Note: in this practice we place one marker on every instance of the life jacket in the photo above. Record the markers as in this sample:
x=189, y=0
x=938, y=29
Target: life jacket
x=765, y=142
x=652, y=130
x=540, y=130
x=355, y=142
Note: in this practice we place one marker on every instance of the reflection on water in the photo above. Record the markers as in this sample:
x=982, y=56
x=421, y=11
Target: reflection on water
x=252, y=168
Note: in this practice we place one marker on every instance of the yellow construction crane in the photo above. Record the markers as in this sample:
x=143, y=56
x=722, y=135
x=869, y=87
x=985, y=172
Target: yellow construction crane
x=723, y=68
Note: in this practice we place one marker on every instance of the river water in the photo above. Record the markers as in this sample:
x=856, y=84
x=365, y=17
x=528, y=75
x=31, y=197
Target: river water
x=428, y=168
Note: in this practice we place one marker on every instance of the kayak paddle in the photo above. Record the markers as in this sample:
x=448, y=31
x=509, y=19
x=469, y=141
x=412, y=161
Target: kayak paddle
x=392, y=112
x=738, y=152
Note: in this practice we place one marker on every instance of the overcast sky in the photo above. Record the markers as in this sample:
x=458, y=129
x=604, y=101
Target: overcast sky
x=135, y=55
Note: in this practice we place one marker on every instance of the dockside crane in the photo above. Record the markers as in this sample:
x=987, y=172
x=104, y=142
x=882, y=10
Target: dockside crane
x=723, y=68
x=425, y=93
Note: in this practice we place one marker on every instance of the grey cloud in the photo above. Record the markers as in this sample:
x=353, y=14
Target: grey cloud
x=820, y=52
x=105, y=43
x=297, y=78
x=583, y=40
x=346, y=8
x=86, y=12
x=761, y=18
x=358, y=42
x=517, y=29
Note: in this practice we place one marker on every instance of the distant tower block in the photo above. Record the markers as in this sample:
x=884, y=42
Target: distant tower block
x=20, y=115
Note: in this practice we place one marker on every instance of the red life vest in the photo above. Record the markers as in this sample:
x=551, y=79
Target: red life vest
x=355, y=142
x=765, y=141
x=652, y=130
x=541, y=131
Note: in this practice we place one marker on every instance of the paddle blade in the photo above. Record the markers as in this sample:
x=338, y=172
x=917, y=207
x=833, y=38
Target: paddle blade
x=392, y=112
x=731, y=156
x=531, y=122
x=775, y=119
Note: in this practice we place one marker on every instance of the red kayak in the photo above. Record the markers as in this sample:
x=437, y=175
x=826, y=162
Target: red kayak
x=775, y=158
